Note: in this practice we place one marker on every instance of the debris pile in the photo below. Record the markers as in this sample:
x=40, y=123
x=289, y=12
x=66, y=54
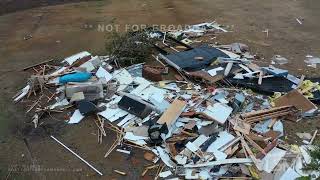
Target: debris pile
x=219, y=116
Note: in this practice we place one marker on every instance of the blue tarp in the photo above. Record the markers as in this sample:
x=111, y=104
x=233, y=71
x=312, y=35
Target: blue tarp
x=75, y=77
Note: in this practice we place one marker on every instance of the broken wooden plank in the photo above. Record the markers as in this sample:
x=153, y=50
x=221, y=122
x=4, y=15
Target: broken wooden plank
x=260, y=77
x=254, y=144
x=273, y=121
x=120, y=172
x=254, y=67
x=264, y=111
x=269, y=147
x=313, y=137
x=256, y=161
x=172, y=113
x=300, y=81
x=290, y=112
x=295, y=98
x=220, y=162
x=228, y=68
x=229, y=144
x=37, y=64
x=242, y=127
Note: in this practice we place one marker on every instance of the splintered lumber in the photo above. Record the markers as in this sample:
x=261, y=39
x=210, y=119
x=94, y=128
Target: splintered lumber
x=114, y=145
x=37, y=64
x=148, y=168
x=313, y=137
x=273, y=121
x=161, y=167
x=254, y=144
x=100, y=125
x=301, y=81
x=229, y=144
x=220, y=162
x=269, y=147
x=120, y=172
x=247, y=149
x=295, y=98
x=290, y=111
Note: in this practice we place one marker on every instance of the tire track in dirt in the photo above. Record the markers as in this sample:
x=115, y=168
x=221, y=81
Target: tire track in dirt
x=189, y=11
x=177, y=12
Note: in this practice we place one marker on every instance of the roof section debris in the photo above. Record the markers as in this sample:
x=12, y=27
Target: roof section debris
x=187, y=60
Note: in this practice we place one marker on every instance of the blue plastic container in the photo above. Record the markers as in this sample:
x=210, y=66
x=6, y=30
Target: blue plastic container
x=75, y=77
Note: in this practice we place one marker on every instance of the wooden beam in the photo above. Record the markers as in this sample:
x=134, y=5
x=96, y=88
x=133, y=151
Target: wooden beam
x=37, y=64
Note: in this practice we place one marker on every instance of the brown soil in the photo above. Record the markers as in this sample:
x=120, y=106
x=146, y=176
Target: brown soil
x=9, y=6
x=62, y=30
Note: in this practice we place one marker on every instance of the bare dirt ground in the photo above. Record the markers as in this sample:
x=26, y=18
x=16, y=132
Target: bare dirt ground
x=62, y=30
x=8, y=6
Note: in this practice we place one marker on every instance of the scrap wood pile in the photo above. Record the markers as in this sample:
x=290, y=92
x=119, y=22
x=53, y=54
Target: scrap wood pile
x=213, y=120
